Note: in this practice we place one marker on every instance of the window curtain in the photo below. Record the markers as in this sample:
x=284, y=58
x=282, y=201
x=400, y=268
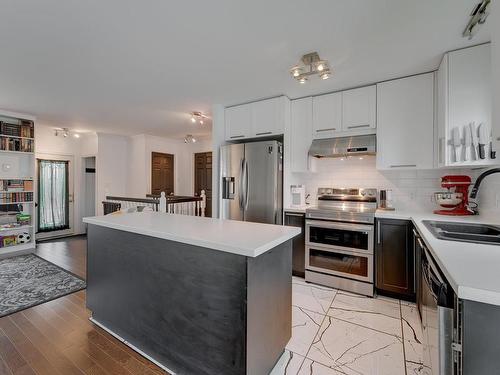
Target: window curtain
x=53, y=198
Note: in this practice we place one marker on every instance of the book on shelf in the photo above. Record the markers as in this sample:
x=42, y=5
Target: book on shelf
x=16, y=185
x=16, y=144
x=25, y=129
x=14, y=197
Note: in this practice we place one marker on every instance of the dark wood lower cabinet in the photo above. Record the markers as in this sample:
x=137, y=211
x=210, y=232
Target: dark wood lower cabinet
x=294, y=219
x=395, y=259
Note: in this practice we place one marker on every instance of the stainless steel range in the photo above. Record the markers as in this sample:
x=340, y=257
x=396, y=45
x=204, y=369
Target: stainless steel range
x=340, y=239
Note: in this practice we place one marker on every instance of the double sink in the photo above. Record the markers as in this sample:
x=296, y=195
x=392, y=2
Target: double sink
x=464, y=232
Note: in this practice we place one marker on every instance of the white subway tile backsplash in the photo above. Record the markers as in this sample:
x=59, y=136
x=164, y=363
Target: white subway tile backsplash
x=410, y=187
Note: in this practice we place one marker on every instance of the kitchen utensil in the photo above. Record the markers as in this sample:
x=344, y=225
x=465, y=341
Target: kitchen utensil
x=467, y=144
x=493, y=153
x=457, y=143
x=298, y=195
x=483, y=140
x=447, y=198
x=455, y=199
x=475, y=141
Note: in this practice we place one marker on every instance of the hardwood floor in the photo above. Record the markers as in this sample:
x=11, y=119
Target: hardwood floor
x=56, y=338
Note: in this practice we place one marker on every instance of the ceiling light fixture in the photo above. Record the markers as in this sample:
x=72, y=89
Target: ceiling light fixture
x=477, y=17
x=197, y=116
x=189, y=139
x=311, y=65
x=61, y=131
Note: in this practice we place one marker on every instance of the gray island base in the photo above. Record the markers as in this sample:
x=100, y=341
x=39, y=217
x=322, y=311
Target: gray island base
x=192, y=309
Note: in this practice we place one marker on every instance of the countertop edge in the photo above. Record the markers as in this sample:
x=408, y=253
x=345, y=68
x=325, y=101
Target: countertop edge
x=199, y=242
x=463, y=292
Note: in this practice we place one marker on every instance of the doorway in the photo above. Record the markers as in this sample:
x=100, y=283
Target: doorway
x=203, y=178
x=54, y=196
x=162, y=173
x=88, y=205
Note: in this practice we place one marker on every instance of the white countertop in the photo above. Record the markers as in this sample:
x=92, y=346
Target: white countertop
x=237, y=237
x=473, y=270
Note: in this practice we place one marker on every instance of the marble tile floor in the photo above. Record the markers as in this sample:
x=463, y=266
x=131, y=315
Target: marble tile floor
x=336, y=332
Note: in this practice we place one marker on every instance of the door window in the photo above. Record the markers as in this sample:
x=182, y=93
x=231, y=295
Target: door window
x=344, y=263
x=53, y=195
x=338, y=237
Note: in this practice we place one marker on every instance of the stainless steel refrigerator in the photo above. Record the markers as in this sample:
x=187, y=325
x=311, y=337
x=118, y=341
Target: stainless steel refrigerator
x=252, y=182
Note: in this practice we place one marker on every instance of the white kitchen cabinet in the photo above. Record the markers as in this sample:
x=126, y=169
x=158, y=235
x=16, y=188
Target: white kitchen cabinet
x=405, y=123
x=359, y=108
x=268, y=117
x=327, y=115
x=300, y=134
x=238, y=122
x=257, y=119
x=464, y=95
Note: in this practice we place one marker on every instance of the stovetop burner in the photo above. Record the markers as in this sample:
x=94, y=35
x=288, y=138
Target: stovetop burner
x=351, y=205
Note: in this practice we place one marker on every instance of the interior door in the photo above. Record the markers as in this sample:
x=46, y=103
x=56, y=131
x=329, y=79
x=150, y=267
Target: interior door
x=203, y=178
x=162, y=173
x=55, y=211
x=262, y=182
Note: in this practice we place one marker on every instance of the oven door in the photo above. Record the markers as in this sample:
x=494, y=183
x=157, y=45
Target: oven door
x=340, y=236
x=339, y=262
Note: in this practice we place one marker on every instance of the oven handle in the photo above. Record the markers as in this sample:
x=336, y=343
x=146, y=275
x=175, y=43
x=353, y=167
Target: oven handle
x=335, y=225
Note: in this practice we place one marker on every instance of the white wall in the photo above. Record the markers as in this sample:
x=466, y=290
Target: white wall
x=112, y=166
x=141, y=148
x=47, y=143
x=217, y=141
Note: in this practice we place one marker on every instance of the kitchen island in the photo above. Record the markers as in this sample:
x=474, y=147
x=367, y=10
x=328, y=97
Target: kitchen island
x=195, y=295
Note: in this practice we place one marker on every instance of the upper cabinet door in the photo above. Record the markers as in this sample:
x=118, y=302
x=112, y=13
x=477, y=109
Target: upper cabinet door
x=300, y=134
x=469, y=100
x=405, y=123
x=359, y=108
x=268, y=117
x=327, y=115
x=238, y=122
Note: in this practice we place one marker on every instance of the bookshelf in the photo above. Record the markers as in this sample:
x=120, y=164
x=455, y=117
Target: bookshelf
x=17, y=184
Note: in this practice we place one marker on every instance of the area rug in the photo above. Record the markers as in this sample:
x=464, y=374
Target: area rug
x=29, y=280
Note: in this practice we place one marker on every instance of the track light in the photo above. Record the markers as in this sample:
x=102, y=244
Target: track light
x=311, y=65
x=198, y=116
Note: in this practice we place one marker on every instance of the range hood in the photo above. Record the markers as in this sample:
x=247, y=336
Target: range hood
x=344, y=146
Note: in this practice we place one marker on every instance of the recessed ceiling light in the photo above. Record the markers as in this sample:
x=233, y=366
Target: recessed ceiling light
x=76, y=135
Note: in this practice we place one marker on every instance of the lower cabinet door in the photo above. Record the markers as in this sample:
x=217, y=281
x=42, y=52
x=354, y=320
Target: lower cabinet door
x=394, y=258
x=299, y=243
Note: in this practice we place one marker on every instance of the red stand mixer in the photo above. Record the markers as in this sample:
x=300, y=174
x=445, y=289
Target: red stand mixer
x=456, y=198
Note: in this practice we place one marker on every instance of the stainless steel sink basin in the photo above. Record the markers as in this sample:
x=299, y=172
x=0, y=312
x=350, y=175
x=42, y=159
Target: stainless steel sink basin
x=465, y=232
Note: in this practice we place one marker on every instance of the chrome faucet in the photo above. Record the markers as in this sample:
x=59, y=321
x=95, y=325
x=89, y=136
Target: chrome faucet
x=475, y=188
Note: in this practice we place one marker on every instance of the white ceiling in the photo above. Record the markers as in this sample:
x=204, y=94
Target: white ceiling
x=130, y=66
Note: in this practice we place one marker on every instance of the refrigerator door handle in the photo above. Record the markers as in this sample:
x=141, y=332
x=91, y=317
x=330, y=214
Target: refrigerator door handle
x=241, y=195
x=246, y=184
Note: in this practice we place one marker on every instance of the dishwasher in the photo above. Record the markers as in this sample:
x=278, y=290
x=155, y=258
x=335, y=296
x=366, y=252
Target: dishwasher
x=440, y=320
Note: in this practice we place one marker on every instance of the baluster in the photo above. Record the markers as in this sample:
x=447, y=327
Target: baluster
x=203, y=202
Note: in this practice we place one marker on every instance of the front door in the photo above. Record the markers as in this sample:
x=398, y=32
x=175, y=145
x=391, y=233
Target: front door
x=162, y=173
x=55, y=196
x=203, y=178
